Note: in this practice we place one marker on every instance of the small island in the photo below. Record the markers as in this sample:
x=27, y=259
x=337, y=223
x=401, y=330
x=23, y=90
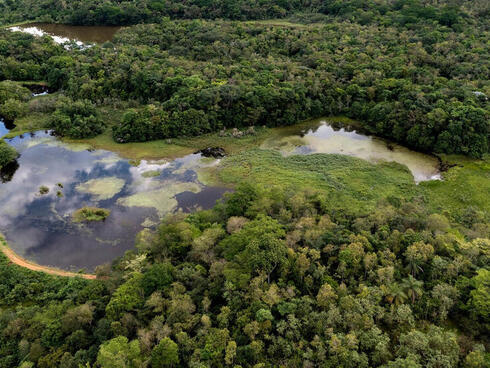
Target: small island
x=90, y=214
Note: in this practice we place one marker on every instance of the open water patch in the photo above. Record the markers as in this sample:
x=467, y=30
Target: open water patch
x=40, y=228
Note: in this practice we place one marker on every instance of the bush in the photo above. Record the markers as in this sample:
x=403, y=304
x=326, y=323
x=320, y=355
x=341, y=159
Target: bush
x=12, y=109
x=9, y=90
x=7, y=154
x=90, y=214
x=76, y=119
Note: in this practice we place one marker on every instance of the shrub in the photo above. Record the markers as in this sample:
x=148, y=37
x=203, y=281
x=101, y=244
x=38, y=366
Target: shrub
x=90, y=214
x=76, y=119
x=7, y=154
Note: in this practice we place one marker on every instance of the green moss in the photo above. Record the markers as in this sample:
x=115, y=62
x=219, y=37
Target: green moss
x=101, y=189
x=88, y=214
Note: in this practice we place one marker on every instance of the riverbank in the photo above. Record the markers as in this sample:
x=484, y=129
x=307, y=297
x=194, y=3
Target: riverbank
x=22, y=262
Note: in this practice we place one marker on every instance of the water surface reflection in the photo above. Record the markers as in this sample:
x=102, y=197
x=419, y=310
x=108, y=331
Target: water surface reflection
x=323, y=136
x=40, y=227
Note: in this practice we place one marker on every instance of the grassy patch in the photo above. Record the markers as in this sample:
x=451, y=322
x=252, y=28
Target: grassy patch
x=352, y=184
x=89, y=214
x=465, y=185
x=29, y=123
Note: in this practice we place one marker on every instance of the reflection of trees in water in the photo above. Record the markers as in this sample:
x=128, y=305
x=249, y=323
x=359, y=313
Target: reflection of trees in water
x=7, y=172
x=9, y=125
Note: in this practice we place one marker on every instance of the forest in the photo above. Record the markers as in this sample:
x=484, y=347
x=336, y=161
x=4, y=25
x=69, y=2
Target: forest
x=268, y=277
x=423, y=84
x=310, y=261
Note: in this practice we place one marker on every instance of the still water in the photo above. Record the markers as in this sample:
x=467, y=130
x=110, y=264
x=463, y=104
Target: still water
x=62, y=33
x=40, y=227
x=324, y=136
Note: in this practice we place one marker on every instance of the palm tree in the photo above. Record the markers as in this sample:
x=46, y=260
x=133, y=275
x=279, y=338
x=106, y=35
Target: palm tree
x=394, y=294
x=413, y=287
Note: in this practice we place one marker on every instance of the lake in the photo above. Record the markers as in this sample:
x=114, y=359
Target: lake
x=40, y=227
x=326, y=136
x=62, y=33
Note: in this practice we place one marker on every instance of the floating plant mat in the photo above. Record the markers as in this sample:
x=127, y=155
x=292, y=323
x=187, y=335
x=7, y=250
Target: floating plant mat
x=321, y=136
x=38, y=224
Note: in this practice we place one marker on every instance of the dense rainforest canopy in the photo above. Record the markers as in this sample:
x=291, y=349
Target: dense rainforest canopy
x=268, y=278
x=312, y=261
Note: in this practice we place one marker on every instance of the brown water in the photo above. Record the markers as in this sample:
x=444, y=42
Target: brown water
x=325, y=136
x=62, y=33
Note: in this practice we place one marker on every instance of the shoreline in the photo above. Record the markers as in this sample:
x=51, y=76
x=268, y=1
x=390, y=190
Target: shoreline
x=22, y=262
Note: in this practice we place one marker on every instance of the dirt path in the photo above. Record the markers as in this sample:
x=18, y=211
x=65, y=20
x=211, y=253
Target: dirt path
x=18, y=260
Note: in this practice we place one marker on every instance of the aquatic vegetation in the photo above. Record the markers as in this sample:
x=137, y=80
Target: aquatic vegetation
x=162, y=199
x=101, y=189
x=354, y=185
x=43, y=190
x=151, y=174
x=90, y=214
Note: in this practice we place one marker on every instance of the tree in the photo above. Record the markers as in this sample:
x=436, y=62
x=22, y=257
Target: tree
x=165, y=354
x=7, y=154
x=128, y=297
x=119, y=353
x=394, y=293
x=480, y=296
x=412, y=287
x=417, y=255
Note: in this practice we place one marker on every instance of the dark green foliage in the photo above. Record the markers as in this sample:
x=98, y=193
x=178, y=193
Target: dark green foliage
x=199, y=76
x=7, y=154
x=76, y=119
x=289, y=283
x=359, y=271
x=157, y=278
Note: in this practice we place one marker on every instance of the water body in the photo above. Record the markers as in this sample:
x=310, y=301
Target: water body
x=40, y=227
x=62, y=33
x=323, y=136
x=4, y=127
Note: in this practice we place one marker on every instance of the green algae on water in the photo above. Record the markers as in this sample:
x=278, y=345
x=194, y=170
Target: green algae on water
x=151, y=174
x=162, y=199
x=101, y=189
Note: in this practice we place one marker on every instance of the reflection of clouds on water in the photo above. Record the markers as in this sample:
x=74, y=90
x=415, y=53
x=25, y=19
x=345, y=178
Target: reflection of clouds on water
x=35, y=31
x=40, y=226
x=323, y=138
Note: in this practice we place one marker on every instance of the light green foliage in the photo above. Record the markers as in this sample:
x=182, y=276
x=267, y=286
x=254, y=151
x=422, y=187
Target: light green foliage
x=119, y=353
x=128, y=297
x=12, y=90
x=90, y=214
x=352, y=184
x=103, y=188
x=7, y=154
x=12, y=109
x=165, y=354
x=480, y=296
